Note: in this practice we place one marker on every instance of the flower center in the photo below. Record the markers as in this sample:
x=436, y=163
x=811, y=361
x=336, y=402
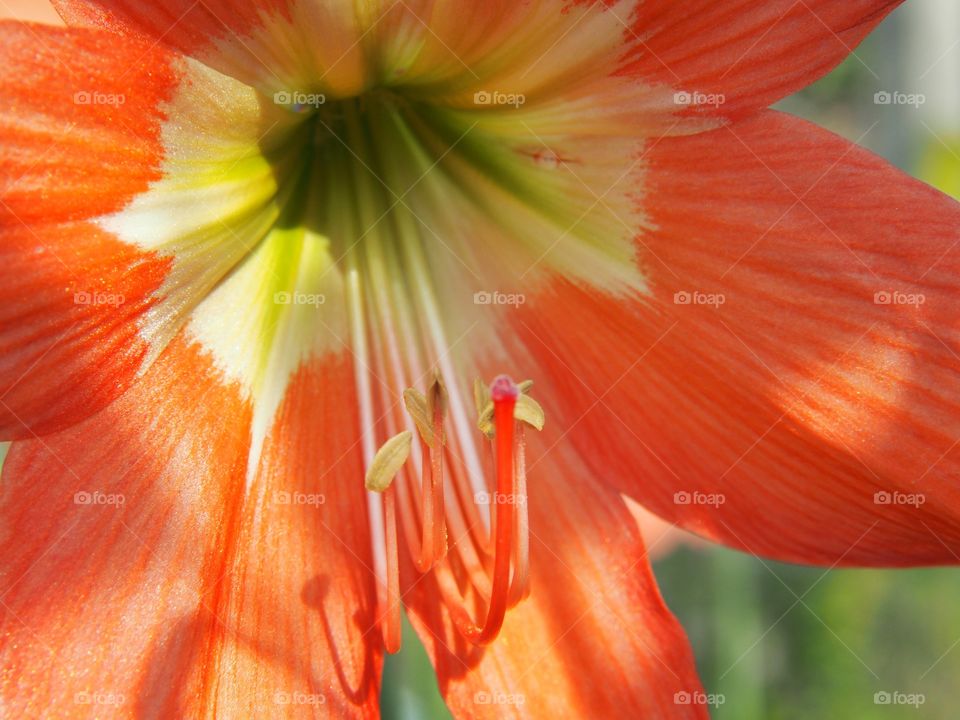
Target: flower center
x=367, y=167
x=395, y=167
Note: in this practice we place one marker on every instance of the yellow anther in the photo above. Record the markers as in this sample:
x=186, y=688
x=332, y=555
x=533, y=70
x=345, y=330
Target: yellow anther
x=527, y=409
x=416, y=405
x=437, y=395
x=422, y=408
x=388, y=461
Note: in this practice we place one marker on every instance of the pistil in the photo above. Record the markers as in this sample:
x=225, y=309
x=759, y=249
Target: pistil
x=498, y=577
x=504, y=394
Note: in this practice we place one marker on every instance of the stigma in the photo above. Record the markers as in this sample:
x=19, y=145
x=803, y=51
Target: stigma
x=486, y=565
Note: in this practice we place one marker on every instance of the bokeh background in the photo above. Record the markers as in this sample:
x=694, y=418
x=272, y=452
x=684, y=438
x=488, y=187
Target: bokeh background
x=783, y=642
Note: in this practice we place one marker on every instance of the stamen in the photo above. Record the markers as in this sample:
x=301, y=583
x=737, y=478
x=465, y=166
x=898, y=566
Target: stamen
x=388, y=461
x=391, y=626
x=498, y=578
x=427, y=413
x=437, y=402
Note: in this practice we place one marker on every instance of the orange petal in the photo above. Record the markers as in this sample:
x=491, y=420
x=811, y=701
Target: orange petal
x=298, y=636
x=732, y=58
x=791, y=385
x=112, y=539
x=120, y=217
x=139, y=576
x=187, y=26
x=72, y=294
x=592, y=640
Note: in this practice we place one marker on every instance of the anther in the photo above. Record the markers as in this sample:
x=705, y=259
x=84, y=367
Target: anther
x=383, y=469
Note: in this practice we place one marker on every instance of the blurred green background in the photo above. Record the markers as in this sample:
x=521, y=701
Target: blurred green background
x=783, y=642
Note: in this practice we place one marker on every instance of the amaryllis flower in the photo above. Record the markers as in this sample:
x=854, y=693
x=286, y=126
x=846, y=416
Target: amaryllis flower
x=234, y=233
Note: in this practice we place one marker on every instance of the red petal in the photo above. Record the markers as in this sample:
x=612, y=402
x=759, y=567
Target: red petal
x=799, y=398
x=192, y=598
x=593, y=639
x=750, y=52
x=71, y=293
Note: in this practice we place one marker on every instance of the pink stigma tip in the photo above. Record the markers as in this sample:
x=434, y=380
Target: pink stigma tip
x=503, y=388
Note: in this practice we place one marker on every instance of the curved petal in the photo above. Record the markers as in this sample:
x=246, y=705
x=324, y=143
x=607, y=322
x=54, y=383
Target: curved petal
x=112, y=534
x=119, y=215
x=734, y=57
x=299, y=598
x=206, y=533
x=790, y=384
x=593, y=639
x=72, y=293
x=298, y=636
